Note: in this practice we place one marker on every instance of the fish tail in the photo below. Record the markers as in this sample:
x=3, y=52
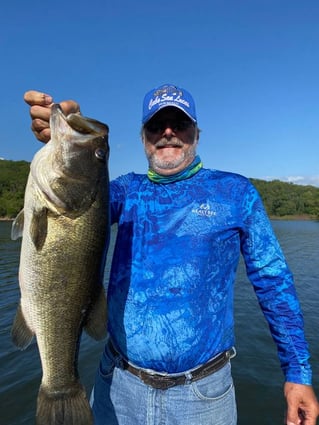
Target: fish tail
x=64, y=407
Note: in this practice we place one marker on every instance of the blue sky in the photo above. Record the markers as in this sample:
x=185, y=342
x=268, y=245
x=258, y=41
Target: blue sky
x=251, y=65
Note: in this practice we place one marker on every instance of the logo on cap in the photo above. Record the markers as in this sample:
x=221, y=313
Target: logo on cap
x=168, y=95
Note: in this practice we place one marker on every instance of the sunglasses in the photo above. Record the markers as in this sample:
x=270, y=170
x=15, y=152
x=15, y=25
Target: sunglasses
x=157, y=127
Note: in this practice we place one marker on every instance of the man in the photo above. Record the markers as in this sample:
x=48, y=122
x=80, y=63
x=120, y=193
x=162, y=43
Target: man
x=181, y=229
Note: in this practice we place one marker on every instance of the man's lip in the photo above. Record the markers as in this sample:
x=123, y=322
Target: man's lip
x=168, y=146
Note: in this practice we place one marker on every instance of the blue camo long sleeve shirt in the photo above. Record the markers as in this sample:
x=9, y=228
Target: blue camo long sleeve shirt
x=171, y=287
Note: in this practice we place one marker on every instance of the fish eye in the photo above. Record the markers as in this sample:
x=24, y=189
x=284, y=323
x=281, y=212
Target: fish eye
x=100, y=154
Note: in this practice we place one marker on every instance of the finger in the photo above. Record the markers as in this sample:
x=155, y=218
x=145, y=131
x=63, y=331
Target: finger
x=44, y=135
x=33, y=97
x=41, y=130
x=69, y=107
x=296, y=421
x=40, y=113
x=43, y=112
x=293, y=417
x=39, y=125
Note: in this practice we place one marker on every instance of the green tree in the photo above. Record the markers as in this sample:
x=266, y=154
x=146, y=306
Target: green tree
x=13, y=179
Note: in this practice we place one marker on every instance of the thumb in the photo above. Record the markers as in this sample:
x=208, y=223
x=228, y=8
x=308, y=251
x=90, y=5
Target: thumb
x=293, y=417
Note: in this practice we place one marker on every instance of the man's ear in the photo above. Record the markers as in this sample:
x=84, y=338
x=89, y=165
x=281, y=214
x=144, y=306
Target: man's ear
x=142, y=135
x=197, y=133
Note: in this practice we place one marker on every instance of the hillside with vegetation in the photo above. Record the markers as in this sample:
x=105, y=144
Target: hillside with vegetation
x=282, y=200
x=288, y=200
x=13, y=178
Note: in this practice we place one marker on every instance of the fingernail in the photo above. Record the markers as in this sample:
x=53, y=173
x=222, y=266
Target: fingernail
x=47, y=99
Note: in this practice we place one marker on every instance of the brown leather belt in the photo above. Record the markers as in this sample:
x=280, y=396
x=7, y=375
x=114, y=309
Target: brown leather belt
x=163, y=381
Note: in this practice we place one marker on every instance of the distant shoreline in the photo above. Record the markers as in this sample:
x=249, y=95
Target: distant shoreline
x=294, y=218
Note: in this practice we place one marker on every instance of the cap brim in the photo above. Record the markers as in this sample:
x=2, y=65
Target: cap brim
x=166, y=106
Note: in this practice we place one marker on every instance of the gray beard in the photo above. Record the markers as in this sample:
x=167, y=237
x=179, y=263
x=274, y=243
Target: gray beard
x=157, y=164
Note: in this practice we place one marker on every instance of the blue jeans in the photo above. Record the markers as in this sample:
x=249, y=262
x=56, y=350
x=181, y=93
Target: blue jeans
x=121, y=398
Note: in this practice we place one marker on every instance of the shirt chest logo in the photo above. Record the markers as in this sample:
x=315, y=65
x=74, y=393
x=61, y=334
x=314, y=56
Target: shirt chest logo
x=204, y=210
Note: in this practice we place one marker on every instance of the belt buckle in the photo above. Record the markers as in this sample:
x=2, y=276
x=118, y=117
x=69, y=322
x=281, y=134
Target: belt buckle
x=231, y=353
x=156, y=381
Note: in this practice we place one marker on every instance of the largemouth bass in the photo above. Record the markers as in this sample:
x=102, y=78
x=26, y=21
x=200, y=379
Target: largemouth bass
x=65, y=231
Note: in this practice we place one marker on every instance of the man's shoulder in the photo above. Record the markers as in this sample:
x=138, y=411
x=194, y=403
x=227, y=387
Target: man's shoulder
x=129, y=177
x=221, y=175
x=126, y=180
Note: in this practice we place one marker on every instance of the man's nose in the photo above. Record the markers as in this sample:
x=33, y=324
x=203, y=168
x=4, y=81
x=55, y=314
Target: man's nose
x=168, y=132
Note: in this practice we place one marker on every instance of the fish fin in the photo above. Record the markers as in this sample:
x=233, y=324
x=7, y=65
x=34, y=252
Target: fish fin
x=39, y=227
x=95, y=324
x=68, y=407
x=21, y=334
x=17, y=226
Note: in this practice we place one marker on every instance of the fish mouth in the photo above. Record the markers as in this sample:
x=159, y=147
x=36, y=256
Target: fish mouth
x=78, y=122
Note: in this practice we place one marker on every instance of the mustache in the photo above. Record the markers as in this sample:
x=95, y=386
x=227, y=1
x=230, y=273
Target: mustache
x=162, y=143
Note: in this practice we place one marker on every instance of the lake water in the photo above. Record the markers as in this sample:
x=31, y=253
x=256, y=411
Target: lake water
x=258, y=378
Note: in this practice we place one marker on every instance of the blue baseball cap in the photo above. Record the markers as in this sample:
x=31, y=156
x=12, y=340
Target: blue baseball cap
x=168, y=95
